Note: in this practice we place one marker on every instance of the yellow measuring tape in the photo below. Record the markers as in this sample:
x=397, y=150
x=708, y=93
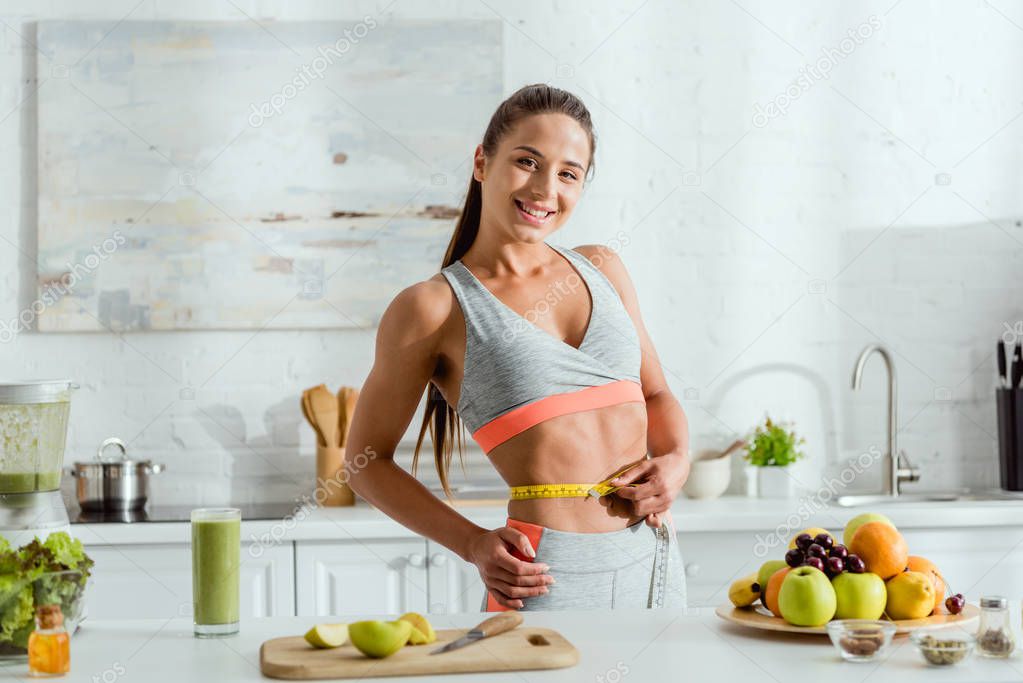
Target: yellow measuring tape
x=568, y=490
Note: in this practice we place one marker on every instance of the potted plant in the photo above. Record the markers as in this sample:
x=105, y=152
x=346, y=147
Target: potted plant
x=770, y=450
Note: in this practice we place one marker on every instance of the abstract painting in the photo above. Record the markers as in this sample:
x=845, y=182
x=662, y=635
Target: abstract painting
x=251, y=175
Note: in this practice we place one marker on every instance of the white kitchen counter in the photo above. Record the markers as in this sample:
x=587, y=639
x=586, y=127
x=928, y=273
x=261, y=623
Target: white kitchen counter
x=630, y=645
x=759, y=516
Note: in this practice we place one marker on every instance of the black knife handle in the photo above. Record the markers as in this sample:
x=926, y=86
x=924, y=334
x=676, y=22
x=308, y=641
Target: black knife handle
x=1001, y=362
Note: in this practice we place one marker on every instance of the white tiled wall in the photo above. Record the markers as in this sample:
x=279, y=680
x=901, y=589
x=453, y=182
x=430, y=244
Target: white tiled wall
x=885, y=205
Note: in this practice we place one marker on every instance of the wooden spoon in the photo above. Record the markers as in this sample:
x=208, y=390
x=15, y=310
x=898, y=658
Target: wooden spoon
x=737, y=444
x=324, y=409
x=346, y=398
x=307, y=410
x=342, y=416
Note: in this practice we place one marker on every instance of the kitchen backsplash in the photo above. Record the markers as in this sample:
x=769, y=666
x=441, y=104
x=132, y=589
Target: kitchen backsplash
x=765, y=256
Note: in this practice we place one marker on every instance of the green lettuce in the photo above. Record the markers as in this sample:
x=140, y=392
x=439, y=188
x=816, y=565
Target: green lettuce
x=28, y=579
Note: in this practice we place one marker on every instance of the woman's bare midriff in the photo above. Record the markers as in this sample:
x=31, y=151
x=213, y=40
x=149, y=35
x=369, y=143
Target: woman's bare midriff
x=578, y=448
x=585, y=447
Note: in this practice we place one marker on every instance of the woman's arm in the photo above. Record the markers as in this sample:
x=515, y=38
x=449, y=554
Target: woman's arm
x=658, y=480
x=667, y=426
x=407, y=344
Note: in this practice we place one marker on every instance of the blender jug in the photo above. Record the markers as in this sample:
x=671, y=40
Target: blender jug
x=33, y=432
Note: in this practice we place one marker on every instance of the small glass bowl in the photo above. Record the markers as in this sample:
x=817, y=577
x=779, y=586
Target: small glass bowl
x=943, y=646
x=860, y=640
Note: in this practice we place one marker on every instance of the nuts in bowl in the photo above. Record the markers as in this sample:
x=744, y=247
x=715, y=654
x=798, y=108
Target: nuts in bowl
x=943, y=646
x=860, y=640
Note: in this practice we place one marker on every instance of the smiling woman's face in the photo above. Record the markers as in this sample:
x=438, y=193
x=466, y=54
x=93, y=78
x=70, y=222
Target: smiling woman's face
x=534, y=179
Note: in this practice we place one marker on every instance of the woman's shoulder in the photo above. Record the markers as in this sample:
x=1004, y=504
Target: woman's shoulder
x=607, y=260
x=423, y=307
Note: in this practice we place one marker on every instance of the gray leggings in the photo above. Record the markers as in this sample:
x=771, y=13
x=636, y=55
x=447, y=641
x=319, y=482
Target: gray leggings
x=637, y=567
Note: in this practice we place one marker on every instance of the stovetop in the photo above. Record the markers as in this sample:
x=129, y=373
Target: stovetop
x=178, y=513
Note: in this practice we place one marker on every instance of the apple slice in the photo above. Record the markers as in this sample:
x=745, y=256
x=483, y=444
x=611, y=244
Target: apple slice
x=327, y=635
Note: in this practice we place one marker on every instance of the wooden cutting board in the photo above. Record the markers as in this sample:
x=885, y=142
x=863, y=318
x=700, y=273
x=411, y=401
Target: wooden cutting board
x=521, y=649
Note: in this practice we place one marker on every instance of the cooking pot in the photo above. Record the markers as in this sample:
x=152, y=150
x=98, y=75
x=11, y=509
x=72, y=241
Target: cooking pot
x=107, y=484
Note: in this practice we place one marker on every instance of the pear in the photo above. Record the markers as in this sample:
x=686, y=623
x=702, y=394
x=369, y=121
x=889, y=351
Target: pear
x=766, y=570
x=422, y=630
x=375, y=638
x=813, y=531
x=327, y=635
x=859, y=520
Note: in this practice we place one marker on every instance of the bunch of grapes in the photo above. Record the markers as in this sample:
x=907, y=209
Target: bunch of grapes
x=821, y=552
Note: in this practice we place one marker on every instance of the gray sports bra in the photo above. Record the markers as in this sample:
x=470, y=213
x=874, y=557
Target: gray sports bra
x=518, y=375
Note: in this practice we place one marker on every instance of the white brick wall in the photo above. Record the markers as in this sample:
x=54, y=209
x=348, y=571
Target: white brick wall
x=729, y=223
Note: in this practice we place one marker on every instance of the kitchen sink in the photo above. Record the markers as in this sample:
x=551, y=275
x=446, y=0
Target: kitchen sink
x=927, y=497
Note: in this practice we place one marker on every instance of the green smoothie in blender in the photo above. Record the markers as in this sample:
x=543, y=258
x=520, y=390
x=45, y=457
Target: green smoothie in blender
x=32, y=438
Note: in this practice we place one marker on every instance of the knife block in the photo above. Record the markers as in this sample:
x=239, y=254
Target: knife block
x=1009, y=405
x=332, y=489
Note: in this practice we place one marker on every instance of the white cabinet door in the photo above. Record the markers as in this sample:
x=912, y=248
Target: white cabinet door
x=714, y=559
x=267, y=581
x=455, y=585
x=361, y=578
x=155, y=581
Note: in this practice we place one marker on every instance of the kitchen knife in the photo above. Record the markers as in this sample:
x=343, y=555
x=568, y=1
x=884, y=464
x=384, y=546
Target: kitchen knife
x=1017, y=367
x=505, y=621
x=1002, y=375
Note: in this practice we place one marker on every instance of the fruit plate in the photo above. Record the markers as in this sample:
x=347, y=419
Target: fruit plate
x=758, y=617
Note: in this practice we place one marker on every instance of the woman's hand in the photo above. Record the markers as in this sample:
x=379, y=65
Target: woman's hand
x=657, y=482
x=508, y=578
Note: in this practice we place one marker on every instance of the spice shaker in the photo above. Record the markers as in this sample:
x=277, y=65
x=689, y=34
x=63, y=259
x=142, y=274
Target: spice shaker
x=994, y=635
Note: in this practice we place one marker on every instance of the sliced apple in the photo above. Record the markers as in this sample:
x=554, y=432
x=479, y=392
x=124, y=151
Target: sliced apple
x=379, y=638
x=422, y=630
x=327, y=635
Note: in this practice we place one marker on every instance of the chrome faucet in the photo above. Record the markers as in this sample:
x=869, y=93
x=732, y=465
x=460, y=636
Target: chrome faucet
x=894, y=473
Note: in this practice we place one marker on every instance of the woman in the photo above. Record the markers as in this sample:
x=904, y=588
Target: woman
x=542, y=351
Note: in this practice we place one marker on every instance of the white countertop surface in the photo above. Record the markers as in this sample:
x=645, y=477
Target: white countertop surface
x=641, y=646
x=731, y=513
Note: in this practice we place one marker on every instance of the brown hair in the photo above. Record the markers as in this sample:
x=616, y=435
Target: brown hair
x=529, y=100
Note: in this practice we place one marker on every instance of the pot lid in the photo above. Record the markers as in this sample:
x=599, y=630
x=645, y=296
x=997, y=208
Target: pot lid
x=106, y=460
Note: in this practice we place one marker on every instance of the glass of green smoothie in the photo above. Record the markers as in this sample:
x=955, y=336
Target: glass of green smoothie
x=216, y=561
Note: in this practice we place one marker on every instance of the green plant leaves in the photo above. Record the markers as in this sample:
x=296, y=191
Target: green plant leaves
x=771, y=445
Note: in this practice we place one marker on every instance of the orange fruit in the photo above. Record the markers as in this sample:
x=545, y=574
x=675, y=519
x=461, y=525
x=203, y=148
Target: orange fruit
x=773, y=586
x=925, y=566
x=882, y=549
x=910, y=596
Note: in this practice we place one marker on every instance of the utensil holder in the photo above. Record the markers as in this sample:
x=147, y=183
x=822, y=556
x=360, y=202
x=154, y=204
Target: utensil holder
x=1009, y=405
x=332, y=489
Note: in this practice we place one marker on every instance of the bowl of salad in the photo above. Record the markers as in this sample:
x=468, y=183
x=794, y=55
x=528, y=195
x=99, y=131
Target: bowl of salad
x=50, y=572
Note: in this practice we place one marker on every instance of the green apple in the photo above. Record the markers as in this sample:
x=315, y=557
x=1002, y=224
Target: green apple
x=379, y=638
x=766, y=569
x=327, y=635
x=806, y=597
x=859, y=596
x=858, y=521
